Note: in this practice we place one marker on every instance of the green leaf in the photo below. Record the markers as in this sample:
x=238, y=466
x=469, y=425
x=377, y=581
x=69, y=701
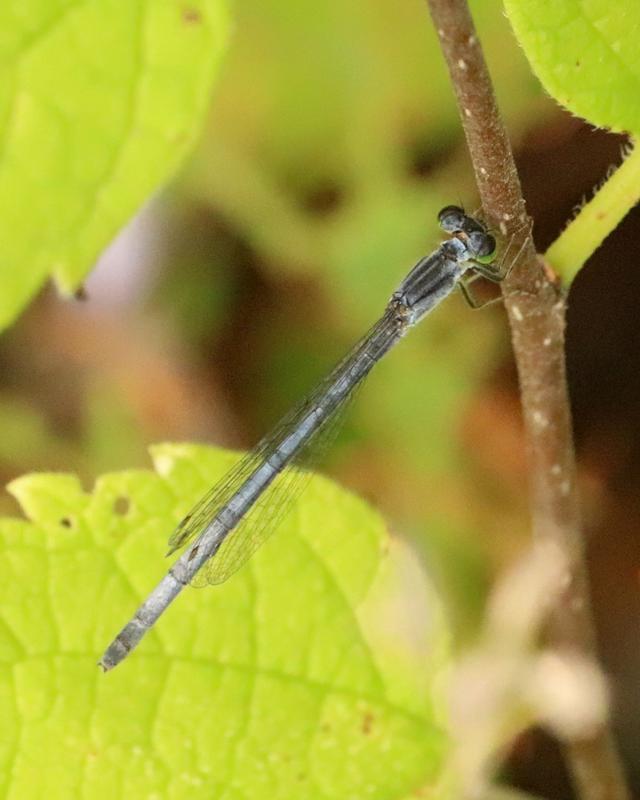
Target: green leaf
x=310, y=674
x=585, y=53
x=99, y=102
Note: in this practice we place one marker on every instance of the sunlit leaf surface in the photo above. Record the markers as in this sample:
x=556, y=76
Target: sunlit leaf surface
x=586, y=54
x=99, y=102
x=304, y=676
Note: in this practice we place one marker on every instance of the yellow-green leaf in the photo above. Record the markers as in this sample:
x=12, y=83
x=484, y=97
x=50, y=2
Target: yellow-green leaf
x=99, y=102
x=586, y=54
x=304, y=676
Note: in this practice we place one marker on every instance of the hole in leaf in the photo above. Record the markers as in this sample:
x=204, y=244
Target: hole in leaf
x=121, y=505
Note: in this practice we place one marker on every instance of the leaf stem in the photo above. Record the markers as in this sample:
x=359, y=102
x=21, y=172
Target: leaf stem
x=536, y=309
x=597, y=219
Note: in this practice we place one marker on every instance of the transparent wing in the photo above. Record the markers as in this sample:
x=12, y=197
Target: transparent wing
x=215, y=499
x=254, y=528
x=264, y=516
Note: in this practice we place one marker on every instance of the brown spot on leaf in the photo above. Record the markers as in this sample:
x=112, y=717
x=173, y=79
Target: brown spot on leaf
x=66, y=522
x=121, y=505
x=191, y=16
x=367, y=723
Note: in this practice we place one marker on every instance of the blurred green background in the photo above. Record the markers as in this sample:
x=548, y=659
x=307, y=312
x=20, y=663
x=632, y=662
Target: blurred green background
x=331, y=142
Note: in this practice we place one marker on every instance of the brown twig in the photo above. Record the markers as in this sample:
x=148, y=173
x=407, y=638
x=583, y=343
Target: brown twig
x=536, y=308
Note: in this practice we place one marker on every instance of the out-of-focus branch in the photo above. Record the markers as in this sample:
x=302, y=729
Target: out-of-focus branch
x=536, y=309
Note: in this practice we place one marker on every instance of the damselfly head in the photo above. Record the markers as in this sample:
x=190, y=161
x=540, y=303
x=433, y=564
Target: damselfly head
x=480, y=245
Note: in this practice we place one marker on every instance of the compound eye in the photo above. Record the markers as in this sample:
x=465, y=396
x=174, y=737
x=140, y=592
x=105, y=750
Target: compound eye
x=471, y=224
x=452, y=219
x=482, y=245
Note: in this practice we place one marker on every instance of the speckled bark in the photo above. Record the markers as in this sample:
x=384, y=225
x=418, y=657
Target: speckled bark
x=536, y=309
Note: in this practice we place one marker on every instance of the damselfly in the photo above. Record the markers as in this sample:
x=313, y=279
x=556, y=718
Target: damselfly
x=238, y=514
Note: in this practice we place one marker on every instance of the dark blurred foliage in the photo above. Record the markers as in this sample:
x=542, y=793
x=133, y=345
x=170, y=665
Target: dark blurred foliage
x=332, y=141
